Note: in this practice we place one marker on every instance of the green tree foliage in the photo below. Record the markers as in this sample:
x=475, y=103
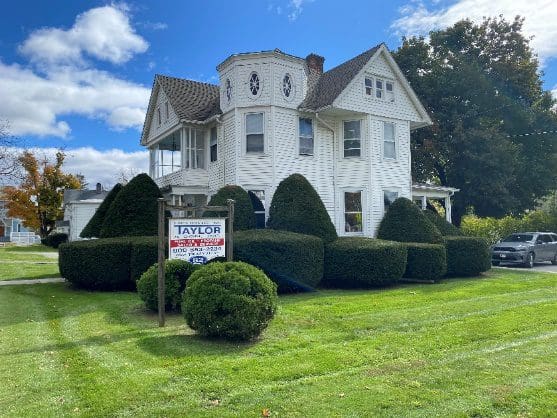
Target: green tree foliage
x=405, y=222
x=134, y=210
x=446, y=228
x=481, y=84
x=244, y=217
x=297, y=207
x=93, y=227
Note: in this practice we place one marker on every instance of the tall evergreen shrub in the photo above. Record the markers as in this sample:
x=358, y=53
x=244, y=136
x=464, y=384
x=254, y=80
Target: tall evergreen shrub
x=93, y=227
x=244, y=217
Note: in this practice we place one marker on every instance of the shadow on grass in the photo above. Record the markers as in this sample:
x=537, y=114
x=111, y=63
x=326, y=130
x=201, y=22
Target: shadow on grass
x=34, y=277
x=191, y=345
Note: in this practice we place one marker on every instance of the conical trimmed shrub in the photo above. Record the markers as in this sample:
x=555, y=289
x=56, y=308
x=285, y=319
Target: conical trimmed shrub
x=447, y=229
x=297, y=207
x=405, y=222
x=93, y=227
x=134, y=210
x=244, y=217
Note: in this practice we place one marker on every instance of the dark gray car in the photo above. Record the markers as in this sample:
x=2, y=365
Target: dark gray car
x=525, y=249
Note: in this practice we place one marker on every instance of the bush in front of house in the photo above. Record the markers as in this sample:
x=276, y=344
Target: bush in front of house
x=447, y=229
x=467, y=256
x=106, y=264
x=93, y=227
x=425, y=261
x=293, y=261
x=244, y=217
x=232, y=300
x=405, y=222
x=297, y=207
x=55, y=239
x=134, y=211
x=364, y=262
x=176, y=274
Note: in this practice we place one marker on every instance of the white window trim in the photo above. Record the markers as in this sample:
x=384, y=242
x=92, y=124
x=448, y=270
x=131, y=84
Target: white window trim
x=363, y=195
x=390, y=190
x=249, y=93
x=383, y=158
x=298, y=154
x=188, y=148
x=341, y=136
x=292, y=87
x=209, y=144
x=244, y=137
x=374, y=79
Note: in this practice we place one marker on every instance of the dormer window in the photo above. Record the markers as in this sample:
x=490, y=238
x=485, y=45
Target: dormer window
x=287, y=86
x=368, y=84
x=254, y=84
x=390, y=91
x=228, y=90
x=379, y=89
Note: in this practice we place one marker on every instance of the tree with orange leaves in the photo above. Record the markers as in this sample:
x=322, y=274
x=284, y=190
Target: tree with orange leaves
x=38, y=199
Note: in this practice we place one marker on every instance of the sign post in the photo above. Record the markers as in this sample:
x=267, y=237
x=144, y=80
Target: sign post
x=160, y=273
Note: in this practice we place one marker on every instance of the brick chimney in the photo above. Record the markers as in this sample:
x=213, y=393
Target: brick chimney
x=315, y=63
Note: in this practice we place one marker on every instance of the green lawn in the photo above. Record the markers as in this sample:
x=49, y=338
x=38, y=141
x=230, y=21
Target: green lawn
x=473, y=347
x=30, y=248
x=26, y=265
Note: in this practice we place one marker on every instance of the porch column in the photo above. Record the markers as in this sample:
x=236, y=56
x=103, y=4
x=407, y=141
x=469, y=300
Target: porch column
x=448, y=209
x=183, y=141
x=424, y=203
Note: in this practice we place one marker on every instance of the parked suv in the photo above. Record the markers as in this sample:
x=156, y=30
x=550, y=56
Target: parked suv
x=525, y=248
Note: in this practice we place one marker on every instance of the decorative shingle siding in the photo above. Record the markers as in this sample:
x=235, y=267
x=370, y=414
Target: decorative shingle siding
x=166, y=124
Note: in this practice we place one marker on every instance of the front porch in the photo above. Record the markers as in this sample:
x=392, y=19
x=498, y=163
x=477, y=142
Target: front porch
x=421, y=192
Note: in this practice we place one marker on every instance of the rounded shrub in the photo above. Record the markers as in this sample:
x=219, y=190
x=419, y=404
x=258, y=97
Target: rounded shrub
x=467, y=256
x=447, y=229
x=55, y=239
x=405, y=222
x=93, y=227
x=293, y=261
x=232, y=300
x=244, y=217
x=425, y=261
x=134, y=210
x=297, y=207
x=176, y=274
x=364, y=262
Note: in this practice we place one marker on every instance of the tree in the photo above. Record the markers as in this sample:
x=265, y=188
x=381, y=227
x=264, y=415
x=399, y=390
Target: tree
x=244, y=216
x=38, y=199
x=297, y=207
x=93, y=227
x=481, y=84
x=134, y=210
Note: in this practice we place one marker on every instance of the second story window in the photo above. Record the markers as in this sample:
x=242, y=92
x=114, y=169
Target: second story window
x=255, y=137
x=352, y=140
x=213, y=144
x=195, y=149
x=389, y=144
x=305, y=136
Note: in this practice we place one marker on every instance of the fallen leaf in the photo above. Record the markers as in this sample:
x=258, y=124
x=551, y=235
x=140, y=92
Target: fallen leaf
x=266, y=412
x=214, y=402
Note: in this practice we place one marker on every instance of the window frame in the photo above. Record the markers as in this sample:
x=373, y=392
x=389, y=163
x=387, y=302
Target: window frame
x=211, y=145
x=191, y=149
x=344, y=212
x=351, y=139
x=394, y=190
x=386, y=95
x=394, y=141
x=246, y=152
x=259, y=83
x=366, y=87
x=299, y=153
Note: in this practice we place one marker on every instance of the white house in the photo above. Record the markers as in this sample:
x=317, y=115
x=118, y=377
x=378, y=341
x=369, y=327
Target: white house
x=347, y=130
x=79, y=208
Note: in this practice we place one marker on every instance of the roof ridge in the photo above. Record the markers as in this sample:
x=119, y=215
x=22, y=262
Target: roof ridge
x=186, y=79
x=356, y=57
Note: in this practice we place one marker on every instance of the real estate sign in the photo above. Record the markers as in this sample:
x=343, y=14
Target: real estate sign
x=196, y=240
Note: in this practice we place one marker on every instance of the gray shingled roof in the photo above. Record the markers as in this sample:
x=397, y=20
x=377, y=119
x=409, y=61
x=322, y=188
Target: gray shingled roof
x=191, y=100
x=71, y=195
x=333, y=82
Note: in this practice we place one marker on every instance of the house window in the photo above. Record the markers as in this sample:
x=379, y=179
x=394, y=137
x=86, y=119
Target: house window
x=255, y=138
x=352, y=141
x=159, y=120
x=228, y=90
x=195, y=149
x=213, y=144
x=287, y=85
x=353, y=212
x=258, y=202
x=389, y=91
x=166, y=111
x=368, y=84
x=306, y=136
x=389, y=146
x=166, y=156
x=379, y=89
x=254, y=84
x=388, y=198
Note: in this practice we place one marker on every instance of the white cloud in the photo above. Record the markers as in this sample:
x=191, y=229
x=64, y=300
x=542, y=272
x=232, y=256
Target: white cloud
x=296, y=8
x=541, y=15
x=60, y=81
x=99, y=166
x=103, y=33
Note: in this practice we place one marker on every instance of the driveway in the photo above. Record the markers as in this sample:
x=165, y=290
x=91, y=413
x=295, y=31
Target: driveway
x=546, y=267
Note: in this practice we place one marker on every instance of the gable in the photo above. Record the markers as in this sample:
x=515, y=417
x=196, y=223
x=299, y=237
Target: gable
x=167, y=121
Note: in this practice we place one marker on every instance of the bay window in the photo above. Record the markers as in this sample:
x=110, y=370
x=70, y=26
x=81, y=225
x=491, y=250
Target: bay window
x=389, y=144
x=213, y=144
x=166, y=156
x=255, y=136
x=195, y=149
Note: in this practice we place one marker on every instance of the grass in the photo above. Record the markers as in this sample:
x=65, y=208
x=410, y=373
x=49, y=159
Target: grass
x=30, y=248
x=26, y=265
x=469, y=347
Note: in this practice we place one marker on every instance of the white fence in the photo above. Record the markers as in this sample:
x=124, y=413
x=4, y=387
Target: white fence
x=24, y=238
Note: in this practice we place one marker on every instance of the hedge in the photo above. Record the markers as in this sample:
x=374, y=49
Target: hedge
x=231, y=300
x=426, y=261
x=55, y=239
x=244, y=216
x=364, y=262
x=467, y=256
x=107, y=264
x=293, y=261
x=405, y=222
x=297, y=207
x=93, y=227
x=447, y=229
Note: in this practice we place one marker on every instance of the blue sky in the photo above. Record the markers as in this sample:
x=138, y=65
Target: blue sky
x=77, y=74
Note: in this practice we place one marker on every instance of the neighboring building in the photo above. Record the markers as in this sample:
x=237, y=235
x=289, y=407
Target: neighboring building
x=346, y=130
x=79, y=208
x=12, y=229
